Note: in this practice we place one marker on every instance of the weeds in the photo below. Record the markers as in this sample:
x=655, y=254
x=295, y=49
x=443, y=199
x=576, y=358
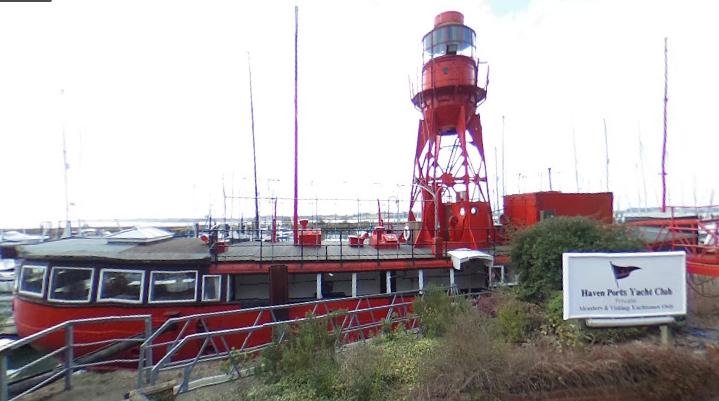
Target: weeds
x=437, y=311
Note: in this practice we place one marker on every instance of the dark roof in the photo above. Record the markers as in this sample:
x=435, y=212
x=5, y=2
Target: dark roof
x=173, y=249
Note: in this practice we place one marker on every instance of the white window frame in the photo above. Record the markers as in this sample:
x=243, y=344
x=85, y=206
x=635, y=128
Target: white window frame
x=120, y=300
x=22, y=275
x=70, y=301
x=152, y=287
x=218, y=287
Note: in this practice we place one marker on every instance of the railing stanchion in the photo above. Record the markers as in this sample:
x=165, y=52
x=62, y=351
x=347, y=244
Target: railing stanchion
x=4, y=396
x=68, y=355
x=145, y=354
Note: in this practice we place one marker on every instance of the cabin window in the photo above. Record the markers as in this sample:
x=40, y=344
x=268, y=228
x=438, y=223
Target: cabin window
x=211, y=288
x=70, y=284
x=406, y=280
x=177, y=286
x=436, y=277
x=336, y=285
x=302, y=286
x=121, y=285
x=32, y=280
x=370, y=283
x=250, y=289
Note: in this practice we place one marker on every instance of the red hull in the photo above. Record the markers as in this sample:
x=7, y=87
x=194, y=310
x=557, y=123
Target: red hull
x=32, y=317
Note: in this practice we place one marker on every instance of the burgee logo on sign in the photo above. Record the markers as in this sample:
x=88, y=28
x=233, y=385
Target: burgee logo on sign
x=616, y=285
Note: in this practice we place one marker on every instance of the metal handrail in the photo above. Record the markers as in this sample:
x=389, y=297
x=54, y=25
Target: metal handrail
x=345, y=328
x=350, y=324
x=175, y=320
x=339, y=249
x=147, y=347
x=70, y=362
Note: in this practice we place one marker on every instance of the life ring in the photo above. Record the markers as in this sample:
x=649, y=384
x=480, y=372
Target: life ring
x=407, y=233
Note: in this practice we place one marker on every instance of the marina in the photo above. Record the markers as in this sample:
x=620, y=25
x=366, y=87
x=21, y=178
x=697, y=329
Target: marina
x=165, y=295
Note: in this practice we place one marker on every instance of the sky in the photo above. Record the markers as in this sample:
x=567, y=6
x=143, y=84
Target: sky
x=152, y=98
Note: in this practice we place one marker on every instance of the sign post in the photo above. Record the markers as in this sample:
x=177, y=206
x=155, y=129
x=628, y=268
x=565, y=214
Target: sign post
x=624, y=289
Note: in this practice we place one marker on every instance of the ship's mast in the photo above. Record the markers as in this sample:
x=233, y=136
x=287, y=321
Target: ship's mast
x=68, y=228
x=606, y=153
x=664, y=142
x=254, y=152
x=576, y=168
x=294, y=216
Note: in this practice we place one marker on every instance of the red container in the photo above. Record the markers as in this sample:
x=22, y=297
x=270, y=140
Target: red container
x=523, y=210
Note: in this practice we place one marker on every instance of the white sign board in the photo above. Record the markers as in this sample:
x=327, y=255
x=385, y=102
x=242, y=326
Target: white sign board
x=618, y=285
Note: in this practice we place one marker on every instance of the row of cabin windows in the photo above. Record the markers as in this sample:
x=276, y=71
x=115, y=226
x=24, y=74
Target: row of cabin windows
x=74, y=285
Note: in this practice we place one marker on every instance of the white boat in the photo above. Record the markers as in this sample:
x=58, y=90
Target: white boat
x=17, y=236
x=7, y=275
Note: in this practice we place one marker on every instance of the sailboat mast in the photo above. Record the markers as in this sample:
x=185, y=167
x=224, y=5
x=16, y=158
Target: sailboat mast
x=641, y=168
x=664, y=143
x=68, y=228
x=294, y=216
x=576, y=168
x=254, y=153
x=606, y=153
x=504, y=189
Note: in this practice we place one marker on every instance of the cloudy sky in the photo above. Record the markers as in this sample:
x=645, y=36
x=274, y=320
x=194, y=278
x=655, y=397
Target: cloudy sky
x=153, y=99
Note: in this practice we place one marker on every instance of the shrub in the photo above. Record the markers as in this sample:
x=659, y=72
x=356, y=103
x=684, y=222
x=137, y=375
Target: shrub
x=470, y=362
x=569, y=333
x=306, y=360
x=437, y=311
x=565, y=333
x=518, y=320
x=537, y=251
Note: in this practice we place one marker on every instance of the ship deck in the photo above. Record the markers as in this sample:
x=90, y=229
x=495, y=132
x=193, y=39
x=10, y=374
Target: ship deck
x=255, y=251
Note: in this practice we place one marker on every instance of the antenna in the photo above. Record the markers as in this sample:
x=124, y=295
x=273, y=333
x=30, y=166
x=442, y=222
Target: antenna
x=606, y=152
x=294, y=217
x=664, y=143
x=254, y=153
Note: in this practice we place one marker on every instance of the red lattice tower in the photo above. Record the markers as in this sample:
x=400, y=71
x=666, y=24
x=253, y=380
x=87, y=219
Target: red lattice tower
x=450, y=174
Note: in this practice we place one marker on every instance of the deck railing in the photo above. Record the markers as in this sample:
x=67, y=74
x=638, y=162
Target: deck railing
x=336, y=246
x=74, y=355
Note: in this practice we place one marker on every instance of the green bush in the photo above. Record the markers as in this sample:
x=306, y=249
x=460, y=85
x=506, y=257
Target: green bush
x=307, y=358
x=569, y=333
x=307, y=367
x=537, y=251
x=518, y=320
x=469, y=363
x=438, y=311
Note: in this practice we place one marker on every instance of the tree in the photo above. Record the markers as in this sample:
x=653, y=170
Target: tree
x=537, y=251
